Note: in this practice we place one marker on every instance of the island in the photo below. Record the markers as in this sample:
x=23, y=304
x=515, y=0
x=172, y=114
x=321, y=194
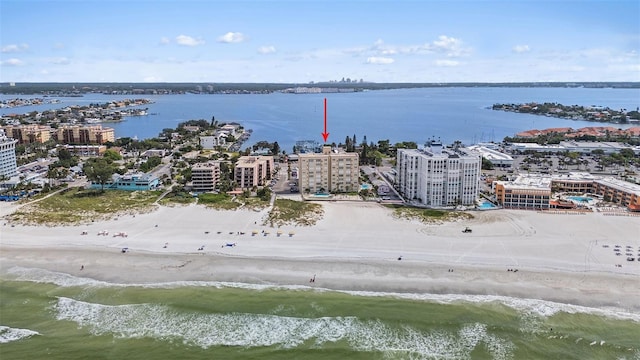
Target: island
x=574, y=112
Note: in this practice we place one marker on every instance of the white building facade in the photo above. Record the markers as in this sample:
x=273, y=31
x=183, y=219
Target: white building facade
x=8, y=165
x=438, y=177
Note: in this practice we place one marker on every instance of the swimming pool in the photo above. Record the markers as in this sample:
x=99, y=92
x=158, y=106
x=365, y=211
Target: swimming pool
x=582, y=199
x=484, y=205
x=321, y=195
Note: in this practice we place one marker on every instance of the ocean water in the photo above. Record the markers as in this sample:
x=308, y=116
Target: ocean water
x=398, y=115
x=48, y=315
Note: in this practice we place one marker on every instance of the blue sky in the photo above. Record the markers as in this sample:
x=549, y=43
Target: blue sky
x=304, y=40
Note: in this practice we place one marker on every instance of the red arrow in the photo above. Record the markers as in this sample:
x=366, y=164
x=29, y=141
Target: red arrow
x=325, y=134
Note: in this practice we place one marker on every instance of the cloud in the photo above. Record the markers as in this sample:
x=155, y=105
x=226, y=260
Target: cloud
x=14, y=48
x=164, y=40
x=12, y=62
x=449, y=45
x=379, y=60
x=270, y=49
x=188, y=41
x=232, y=37
x=521, y=49
x=446, y=63
x=60, y=61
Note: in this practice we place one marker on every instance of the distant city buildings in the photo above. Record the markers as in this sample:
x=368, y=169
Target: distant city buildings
x=8, y=165
x=438, y=177
x=329, y=172
x=253, y=171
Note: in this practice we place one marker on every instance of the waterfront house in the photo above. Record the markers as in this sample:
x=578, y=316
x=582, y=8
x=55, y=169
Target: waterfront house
x=130, y=182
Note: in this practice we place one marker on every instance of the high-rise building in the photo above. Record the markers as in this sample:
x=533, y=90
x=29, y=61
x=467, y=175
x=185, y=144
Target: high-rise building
x=329, y=171
x=8, y=165
x=438, y=177
x=205, y=176
x=253, y=171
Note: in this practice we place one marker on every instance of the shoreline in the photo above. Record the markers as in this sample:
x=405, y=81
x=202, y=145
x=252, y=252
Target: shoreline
x=558, y=258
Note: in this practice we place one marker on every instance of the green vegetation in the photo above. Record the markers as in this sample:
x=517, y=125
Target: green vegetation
x=218, y=201
x=99, y=170
x=428, y=216
x=76, y=206
x=290, y=212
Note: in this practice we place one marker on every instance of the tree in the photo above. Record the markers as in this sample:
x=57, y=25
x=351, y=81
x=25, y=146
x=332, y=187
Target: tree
x=112, y=154
x=99, y=170
x=487, y=164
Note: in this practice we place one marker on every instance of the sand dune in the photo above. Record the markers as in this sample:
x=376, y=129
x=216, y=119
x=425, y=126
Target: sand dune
x=356, y=246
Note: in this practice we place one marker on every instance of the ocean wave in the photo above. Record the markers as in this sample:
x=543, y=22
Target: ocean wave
x=263, y=330
x=542, y=308
x=8, y=334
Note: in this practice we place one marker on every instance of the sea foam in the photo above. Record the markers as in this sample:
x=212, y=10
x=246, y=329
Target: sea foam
x=535, y=307
x=8, y=334
x=262, y=330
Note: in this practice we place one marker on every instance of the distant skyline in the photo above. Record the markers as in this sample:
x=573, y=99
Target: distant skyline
x=301, y=41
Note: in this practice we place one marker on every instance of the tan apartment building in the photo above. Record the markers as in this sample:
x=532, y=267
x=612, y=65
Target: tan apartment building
x=526, y=192
x=205, y=176
x=329, y=171
x=253, y=171
x=81, y=134
x=530, y=191
x=619, y=192
x=28, y=133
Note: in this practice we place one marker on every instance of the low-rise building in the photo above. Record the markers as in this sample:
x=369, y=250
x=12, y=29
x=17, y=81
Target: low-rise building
x=86, y=150
x=130, y=182
x=205, y=176
x=497, y=158
x=331, y=171
x=525, y=192
x=533, y=191
x=253, y=171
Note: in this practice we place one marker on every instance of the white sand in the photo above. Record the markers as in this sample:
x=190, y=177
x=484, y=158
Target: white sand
x=355, y=246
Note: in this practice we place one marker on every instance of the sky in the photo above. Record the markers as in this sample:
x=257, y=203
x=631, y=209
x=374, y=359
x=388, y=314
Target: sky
x=300, y=41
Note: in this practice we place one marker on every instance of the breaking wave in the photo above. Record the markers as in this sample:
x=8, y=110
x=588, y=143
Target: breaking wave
x=262, y=330
x=8, y=334
x=536, y=307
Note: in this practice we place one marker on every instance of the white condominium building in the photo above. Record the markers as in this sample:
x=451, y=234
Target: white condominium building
x=438, y=177
x=329, y=172
x=8, y=166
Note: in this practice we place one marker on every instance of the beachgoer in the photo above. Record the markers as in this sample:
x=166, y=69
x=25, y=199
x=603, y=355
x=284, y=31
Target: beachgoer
x=81, y=267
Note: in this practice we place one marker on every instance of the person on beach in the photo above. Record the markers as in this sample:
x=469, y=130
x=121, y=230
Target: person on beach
x=81, y=267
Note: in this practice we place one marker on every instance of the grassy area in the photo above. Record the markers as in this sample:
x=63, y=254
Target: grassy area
x=290, y=212
x=429, y=216
x=218, y=201
x=181, y=198
x=79, y=205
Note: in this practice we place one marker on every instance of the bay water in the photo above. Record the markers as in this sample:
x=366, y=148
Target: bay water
x=48, y=315
x=451, y=113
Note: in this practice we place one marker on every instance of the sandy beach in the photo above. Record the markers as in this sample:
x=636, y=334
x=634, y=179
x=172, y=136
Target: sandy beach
x=564, y=258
